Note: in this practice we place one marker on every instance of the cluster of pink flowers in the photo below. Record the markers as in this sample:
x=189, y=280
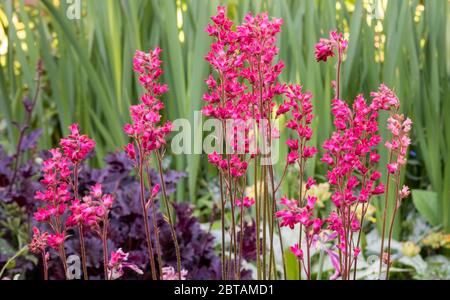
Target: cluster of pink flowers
x=63, y=209
x=235, y=164
x=76, y=146
x=300, y=106
x=399, y=127
x=326, y=47
x=56, y=176
x=247, y=77
x=246, y=202
x=92, y=210
x=145, y=129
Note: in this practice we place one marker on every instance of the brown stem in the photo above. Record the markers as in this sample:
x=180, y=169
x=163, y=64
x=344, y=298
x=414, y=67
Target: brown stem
x=105, y=247
x=44, y=265
x=155, y=226
x=83, y=252
x=222, y=216
x=391, y=226
x=145, y=215
x=169, y=215
x=386, y=203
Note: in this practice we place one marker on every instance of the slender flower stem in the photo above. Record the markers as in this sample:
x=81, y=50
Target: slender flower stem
x=62, y=255
x=338, y=75
x=391, y=227
x=241, y=240
x=275, y=221
x=145, y=214
x=257, y=220
x=383, y=230
x=44, y=265
x=105, y=247
x=83, y=252
x=155, y=225
x=169, y=215
x=222, y=216
x=80, y=226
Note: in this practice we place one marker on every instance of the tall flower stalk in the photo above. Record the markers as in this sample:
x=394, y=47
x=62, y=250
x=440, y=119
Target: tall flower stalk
x=76, y=147
x=399, y=127
x=149, y=137
x=59, y=174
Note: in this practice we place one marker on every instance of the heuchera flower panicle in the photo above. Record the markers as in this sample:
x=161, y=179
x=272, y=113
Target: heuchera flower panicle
x=145, y=128
x=60, y=182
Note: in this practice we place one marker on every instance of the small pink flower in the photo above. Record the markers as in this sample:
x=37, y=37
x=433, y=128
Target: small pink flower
x=168, y=273
x=392, y=168
x=39, y=242
x=317, y=225
x=292, y=144
x=129, y=150
x=96, y=190
x=247, y=202
x=155, y=190
x=292, y=157
x=325, y=47
x=297, y=251
x=378, y=190
x=118, y=262
x=404, y=192
x=310, y=183
x=55, y=240
x=355, y=225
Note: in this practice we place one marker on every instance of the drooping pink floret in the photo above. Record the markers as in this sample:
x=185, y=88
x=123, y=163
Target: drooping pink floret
x=118, y=263
x=404, y=192
x=297, y=251
x=326, y=48
x=168, y=273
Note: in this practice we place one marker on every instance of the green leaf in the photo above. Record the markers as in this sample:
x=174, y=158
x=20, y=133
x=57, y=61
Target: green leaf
x=426, y=203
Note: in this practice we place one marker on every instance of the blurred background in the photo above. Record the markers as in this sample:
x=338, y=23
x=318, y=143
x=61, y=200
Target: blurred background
x=87, y=47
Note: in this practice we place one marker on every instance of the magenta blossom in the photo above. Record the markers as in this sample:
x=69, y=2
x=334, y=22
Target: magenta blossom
x=326, y=47
x=117, y=264
x=76, y=146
